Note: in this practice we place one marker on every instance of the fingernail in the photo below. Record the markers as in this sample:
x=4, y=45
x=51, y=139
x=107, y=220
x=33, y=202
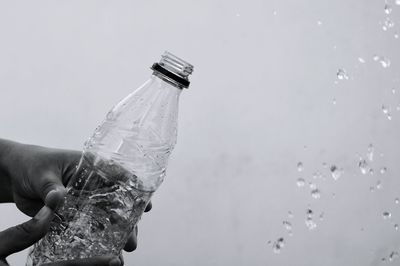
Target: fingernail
x=114, y=262
x=44, y=212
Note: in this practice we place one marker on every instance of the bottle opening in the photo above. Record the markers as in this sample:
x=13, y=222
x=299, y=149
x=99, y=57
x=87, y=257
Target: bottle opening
x=173, y=69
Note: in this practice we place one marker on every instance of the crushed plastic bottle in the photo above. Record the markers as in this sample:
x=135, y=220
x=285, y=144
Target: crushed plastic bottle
x=122, y=164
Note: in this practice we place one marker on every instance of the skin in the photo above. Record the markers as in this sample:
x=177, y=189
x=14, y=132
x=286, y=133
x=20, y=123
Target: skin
x=34, y=178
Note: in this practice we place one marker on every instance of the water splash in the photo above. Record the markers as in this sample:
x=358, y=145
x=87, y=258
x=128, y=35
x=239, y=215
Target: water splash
x=393, y=256
x=388, y=9
x=387, y=24
x=378, y=184
x=300, y=182
x=385, y=62
x=370, y=152
x=311, y=225
x=300, y=166
x=288, y=226
x=385, y=109
x=316, y=193
x=361, y=60
x=336, y=172
x=363, y=165
x=396, y=200
x=386, y=215
x=341, y=74
x=383, y=170
x=278, y=245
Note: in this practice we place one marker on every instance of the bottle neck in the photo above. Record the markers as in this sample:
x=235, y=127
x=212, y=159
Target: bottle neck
x=168, y=80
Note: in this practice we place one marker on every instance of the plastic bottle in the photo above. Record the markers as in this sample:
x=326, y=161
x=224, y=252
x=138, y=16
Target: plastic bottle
x=122, y=164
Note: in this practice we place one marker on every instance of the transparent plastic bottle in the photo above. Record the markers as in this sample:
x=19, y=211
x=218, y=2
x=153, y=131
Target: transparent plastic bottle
x=122, y=164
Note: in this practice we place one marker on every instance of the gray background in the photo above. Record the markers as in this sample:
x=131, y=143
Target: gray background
x=261, y=100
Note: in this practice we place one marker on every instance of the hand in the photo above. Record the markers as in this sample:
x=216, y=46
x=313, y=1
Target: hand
x=24, y=235
x=38, y=176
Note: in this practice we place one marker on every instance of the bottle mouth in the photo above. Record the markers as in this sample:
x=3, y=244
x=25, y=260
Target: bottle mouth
x=174, y=69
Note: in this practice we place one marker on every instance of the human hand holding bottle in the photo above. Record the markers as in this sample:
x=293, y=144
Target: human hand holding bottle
x=34, y=178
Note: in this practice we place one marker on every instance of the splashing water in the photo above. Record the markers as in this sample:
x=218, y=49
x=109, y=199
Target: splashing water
x=370, y=152
x=301, y=182
x=378, y=184
x=386, y=215
x=300, y=166
x=316, y=193
x=361, y=60
x=393, y=256
x=278, y=245
x=383, y=170
x=385, y=62
x=396, y=227
x=396, y=200
x=341, y=74
x=311, y=225
x=387, y=24
x=288, y=226
x=363, y=165
x=385, y=110
x=336, y=172
x=388, y=9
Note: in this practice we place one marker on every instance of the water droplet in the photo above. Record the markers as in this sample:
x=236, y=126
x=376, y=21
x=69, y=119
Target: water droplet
x=319, y=23
x=288, y=226
x=386, y=215
x=397, y=2
x=334, y=101
x=341, y=74
x=371, y=189
x=290, y=214
x=394, y=255
x=300, y=166
x=396, y=227
x=378, y=184
x=396, y=35
x=312, y=185
x=370, y=152
x=275, y=13
x=397, y=200
x=311, y=225
x=300, y=182
x=361, y=60
x=363, y=165
x=278, y=245
x=385, y=110
x=383, y=170
x=389, y=117
x=382, y=60
x=393, y=91
x=387, y=24
x=336, y=172
x=388, y=9
x=316, y=193
x=371, y=171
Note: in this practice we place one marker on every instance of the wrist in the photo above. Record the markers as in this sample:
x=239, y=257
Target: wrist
x=7, y=163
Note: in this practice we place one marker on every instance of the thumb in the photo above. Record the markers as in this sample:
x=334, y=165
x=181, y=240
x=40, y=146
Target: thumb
x=24, y=235
x=51, y=190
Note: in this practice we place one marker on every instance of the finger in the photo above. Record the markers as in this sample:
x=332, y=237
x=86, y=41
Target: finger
x=148, y=207
x=98, y=261
x=20, y=237
x=51, y=190
x=131, y=244
x=121, y=258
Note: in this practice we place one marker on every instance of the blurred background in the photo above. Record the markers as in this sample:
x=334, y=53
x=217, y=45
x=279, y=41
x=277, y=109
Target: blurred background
x=288, y=149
